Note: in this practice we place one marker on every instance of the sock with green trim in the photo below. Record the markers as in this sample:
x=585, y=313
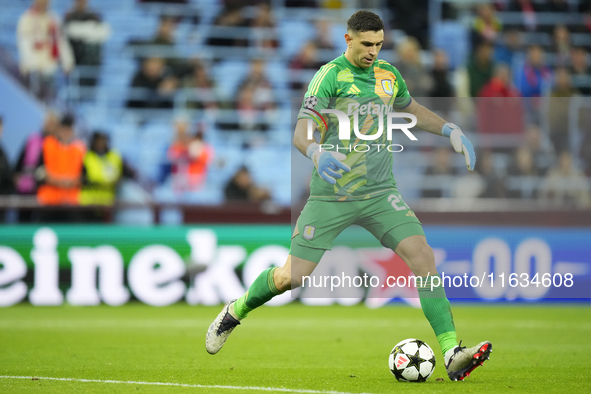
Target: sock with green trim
x=261, y=291
x=437, y=310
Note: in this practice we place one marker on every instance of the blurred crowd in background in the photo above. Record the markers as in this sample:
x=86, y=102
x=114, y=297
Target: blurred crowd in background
x=191, y=101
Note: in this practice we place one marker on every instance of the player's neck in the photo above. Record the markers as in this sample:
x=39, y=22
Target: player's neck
x=349, y=57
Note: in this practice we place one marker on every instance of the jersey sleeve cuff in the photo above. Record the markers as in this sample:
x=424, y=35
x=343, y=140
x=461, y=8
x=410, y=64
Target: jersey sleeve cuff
x=406, y=105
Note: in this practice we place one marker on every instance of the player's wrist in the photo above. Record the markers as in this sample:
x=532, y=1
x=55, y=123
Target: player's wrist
x=449, y=128
x=312, y=149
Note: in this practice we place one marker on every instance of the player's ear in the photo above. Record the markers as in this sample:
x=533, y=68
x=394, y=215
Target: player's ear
x=348, y=39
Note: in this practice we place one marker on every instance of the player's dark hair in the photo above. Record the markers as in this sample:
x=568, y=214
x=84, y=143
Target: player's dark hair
x=364, y=21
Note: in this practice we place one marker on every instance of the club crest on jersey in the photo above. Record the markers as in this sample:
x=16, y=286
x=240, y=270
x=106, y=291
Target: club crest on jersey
x=310, y=102
x=309, y=232
x=388, y=86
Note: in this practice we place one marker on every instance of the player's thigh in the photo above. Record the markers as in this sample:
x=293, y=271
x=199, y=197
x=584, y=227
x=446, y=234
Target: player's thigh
x=319, y=223
x=397, y=227
x=290, y=275
x=389, y=219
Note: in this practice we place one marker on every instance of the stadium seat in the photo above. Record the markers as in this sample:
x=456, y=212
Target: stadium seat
x=293, y=34
x=228, y=75
x=453, y=38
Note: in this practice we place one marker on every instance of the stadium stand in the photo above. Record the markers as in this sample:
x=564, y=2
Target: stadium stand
x=143, y=135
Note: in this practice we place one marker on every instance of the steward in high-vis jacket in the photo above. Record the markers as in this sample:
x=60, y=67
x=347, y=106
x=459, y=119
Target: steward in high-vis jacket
x=61, y=173
x=103, y=169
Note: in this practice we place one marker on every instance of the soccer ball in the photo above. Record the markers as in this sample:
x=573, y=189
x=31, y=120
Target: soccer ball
x=412, y=360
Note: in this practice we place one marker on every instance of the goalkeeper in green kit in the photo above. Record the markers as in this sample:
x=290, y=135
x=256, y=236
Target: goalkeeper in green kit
x=352, y=183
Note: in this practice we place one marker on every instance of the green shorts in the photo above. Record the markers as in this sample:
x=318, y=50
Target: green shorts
x=386, y=216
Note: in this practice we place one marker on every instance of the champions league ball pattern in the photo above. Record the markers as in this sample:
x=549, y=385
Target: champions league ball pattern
x=310, y=102
x=412, y=360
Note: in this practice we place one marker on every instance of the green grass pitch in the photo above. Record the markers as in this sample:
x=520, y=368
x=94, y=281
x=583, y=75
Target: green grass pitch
x=305, y=349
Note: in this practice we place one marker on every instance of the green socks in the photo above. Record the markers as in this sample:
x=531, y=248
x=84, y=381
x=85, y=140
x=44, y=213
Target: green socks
x=437, y=310
x=261, y=291
x=434, y=303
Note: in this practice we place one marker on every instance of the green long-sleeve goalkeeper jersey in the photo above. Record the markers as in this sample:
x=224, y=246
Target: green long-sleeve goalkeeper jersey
x=372, y=93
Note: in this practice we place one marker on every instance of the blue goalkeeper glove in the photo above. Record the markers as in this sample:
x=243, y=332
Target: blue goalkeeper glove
x=327, y=163
x=460, y=143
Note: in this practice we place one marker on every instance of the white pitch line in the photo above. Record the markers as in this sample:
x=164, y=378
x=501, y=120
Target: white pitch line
x=201, y=386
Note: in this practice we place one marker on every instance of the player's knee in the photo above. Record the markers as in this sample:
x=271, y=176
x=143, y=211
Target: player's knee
x=423, y=260
x=426, y=253
x=282, y=279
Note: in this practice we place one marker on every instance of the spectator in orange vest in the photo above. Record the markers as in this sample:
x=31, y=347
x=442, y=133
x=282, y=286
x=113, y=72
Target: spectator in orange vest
x=190, y=157
x=61, y=173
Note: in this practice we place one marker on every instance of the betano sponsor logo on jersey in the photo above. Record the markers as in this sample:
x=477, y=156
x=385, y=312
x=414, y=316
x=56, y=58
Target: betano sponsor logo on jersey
x=354, y=110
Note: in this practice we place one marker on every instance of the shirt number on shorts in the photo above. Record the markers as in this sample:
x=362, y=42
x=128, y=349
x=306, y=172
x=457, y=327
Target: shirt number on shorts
x=394, y=200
